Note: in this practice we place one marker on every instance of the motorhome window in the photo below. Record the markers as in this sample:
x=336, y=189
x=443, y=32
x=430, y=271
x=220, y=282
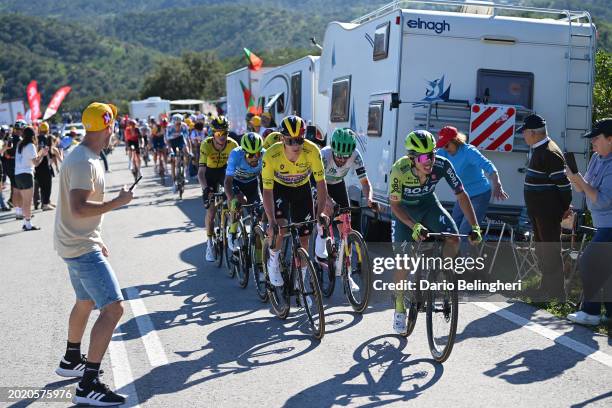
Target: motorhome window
x=280, y=104
x=381, y=42
x=375, y=118
x=505, y=87
x=341, y=92
x=296, y=93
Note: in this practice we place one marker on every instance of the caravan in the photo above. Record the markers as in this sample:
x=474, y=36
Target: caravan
x=395, y=70
x=236, y=83
x=293, y=89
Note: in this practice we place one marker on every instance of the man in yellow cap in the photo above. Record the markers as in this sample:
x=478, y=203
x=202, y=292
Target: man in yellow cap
x=78, y=240
x=256, y=123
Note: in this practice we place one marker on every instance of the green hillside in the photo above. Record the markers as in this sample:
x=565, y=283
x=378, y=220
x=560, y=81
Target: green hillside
x=57, y=54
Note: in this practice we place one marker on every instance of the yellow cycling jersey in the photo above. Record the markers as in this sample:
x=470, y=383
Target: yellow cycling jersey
x=213, y=158
x=278, y=169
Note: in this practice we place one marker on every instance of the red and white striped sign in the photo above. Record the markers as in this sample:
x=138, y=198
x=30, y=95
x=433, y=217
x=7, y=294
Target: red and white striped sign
x=492, y=127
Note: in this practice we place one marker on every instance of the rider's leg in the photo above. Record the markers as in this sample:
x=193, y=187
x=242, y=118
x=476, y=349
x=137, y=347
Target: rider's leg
x=437, y=219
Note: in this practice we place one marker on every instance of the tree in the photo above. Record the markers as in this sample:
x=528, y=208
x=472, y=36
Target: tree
x=602, y=91
x=194, y=75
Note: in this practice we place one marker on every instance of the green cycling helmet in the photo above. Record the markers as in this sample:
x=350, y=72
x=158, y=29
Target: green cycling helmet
x=251, y=143
x=420, y=142
x=343, y=142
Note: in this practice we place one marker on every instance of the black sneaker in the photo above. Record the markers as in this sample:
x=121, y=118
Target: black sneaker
x=73, y=369
x=98, y=395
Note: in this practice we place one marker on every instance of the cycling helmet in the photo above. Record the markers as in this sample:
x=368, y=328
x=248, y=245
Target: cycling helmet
x=44, y=127
x=251, y=142
x=177, y=118
x=293, y=126
x=420, y=142
x=20, y=124
x=219, y=124
x=343, y=142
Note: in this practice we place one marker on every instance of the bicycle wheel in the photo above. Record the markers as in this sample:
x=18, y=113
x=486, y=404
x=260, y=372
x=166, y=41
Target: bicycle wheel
x=357, y=276
x=257, y=270
x=310, y=294
x=227, y=253
x=240, y=258
x=279, y=296
x=218, y=234
x=442, y=314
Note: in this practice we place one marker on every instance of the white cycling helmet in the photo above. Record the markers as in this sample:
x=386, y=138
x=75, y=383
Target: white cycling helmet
x=177, y=118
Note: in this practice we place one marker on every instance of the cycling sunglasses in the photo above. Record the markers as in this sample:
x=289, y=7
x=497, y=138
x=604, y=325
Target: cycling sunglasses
x=252, y=155
x=293, y=141
x=425, y=157
x=342, y=157
x=220, y=133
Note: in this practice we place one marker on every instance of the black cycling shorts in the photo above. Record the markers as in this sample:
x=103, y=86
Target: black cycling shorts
x=178, y=143
x=338, y=193
x=249, y=189
x=134, y=144
x=294, y=204
x=215, y=177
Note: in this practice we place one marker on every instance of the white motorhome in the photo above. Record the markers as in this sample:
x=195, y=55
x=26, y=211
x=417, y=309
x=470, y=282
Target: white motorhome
x=152, y=106
x=396, y=70
x=236, y=107
x=293, y=89
x=10, y=110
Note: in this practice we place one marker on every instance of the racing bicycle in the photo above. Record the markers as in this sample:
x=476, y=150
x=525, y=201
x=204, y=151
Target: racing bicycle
x=305, y=287
x=440, y=301
x=347, y=257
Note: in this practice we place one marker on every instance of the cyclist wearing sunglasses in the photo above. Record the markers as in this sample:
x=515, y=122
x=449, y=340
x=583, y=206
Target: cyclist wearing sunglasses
x=415, y=207
x=338, y=159
x=286, y=171
x=177, y=136
x=214, y=153
x=241, y=183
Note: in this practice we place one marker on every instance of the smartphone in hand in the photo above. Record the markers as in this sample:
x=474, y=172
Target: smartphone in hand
x=570, y=160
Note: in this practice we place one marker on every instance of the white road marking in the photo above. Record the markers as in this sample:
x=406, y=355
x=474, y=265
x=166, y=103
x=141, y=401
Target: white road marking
x=557, y=337
x=122, y=372
x=153, y=347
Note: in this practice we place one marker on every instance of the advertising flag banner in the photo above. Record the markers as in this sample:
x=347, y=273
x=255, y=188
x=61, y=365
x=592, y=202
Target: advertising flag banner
x=56, y=101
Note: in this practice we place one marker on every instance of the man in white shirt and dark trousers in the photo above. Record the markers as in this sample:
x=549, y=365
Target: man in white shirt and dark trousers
x=78, y=241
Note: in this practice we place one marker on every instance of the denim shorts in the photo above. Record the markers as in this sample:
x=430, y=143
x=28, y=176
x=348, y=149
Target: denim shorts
x=93, y=278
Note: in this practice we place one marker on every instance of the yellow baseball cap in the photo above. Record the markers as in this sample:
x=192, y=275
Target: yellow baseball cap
x=98, y=116
x=256, y=121
x=44, y=127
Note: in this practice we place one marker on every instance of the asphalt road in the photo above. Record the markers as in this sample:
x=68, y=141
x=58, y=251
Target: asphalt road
x=191, y=337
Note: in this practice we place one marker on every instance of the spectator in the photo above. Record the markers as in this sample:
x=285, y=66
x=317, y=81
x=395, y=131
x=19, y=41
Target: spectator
x=479, y=176
x=595, y=262
x=43, y=173
x=78, y=241
x=548, y=195
x=255, y=123
x=8, y=160
x=3, y=178
x=26, y=159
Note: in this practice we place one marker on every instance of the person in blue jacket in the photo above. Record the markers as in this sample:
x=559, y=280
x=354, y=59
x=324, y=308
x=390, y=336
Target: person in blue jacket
x=479, y=176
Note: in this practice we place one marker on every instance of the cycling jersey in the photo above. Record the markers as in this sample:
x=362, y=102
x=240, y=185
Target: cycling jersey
x=172, y=132
x=131, y=134
x=196, y=136
x=406, y=187
x=278, y=169
x=213, y=158
x=335, y=174
x=270, y=140
x=239, y=168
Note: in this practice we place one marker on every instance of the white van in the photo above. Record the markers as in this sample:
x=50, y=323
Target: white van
x=396, y=70
x=293, y=89
x=152, y=106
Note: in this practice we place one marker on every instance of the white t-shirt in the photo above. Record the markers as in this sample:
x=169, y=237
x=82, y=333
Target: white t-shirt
x=24, y=161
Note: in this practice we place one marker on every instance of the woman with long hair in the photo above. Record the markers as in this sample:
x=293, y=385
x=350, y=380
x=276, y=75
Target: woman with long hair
x=26, y=159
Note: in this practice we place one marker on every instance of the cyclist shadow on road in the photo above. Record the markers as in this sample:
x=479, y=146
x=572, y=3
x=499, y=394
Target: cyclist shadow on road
x=382, y=375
